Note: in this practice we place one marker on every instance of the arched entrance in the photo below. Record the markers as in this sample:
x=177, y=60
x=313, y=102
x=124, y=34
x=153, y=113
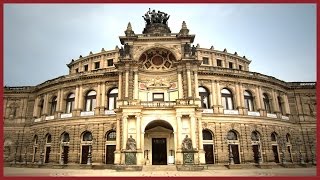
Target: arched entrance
x=159, y=143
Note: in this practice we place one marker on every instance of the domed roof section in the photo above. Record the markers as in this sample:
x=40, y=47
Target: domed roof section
x=156, y=22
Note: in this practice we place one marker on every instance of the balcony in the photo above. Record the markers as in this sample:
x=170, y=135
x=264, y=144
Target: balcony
x=87, y=113
x=66, y=115
x=253, y=113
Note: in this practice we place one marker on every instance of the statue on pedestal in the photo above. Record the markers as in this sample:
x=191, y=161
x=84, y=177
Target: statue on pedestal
x=131, y=144
x=187, y=143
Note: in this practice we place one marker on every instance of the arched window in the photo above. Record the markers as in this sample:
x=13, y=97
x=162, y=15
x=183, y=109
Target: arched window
x=206, y=135
x=70, y=103
x=41, y=106
x=90, y=101
x=274, y=136
x=204, y=96
x=232, y=135
x=227, y=99
x=112, y=98
x=111, y=136
x=255, y=136
x=48, y=138
x=280, y=103
x=266, y=102
x=87, y=136
x=65, y=137
x=248, y=100
x=53, y=105
x=35, y=140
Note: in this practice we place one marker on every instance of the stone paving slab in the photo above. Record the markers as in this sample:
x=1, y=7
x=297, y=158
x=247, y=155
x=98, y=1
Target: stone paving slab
x=10, y=171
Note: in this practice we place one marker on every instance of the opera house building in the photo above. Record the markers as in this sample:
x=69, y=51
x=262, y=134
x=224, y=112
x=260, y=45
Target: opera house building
x=160, y=100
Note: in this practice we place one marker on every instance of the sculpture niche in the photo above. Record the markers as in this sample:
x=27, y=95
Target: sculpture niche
x=156, y=22
x=130, y=152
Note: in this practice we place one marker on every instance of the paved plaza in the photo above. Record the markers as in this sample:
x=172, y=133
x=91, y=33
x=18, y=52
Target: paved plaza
x=10, y=171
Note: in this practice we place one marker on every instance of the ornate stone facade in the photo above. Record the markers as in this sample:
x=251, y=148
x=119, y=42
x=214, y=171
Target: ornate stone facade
x=157, y=90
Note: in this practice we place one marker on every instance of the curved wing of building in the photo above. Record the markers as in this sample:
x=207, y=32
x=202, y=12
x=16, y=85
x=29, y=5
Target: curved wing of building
x=160, y=100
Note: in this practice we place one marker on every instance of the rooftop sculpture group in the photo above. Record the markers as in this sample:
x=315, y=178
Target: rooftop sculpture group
x=152, y=17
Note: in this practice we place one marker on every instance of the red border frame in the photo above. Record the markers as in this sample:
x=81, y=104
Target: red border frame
x=160, y=1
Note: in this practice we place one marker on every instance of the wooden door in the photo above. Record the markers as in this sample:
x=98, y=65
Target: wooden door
x=110, y=154
x=209, y=155
x=84, y=156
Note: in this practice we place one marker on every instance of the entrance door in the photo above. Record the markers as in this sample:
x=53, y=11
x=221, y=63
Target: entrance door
x=208, y=148
x=235, y=153
x=275, y=153
x=110, y=154
x=85, y=152
x=48, y=149
x=35, y=154
x=159, y=151
x=255, y=149
x=290, y=155
x=65, y=154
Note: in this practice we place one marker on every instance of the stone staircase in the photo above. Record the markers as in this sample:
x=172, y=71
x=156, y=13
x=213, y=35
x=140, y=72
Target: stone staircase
x=159, y=168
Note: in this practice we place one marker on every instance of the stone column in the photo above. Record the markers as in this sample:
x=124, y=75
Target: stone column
x=286, y=104
x=127, y=84
x=238, y=96
x=275, y=104
x=97, y=109
x=103, y=98
x=76, y=105
x=218, y=93
x=196, y=84
x=241, y=95
x=189, y=82
x=135, y=87
x=180, y=90
x=120, y=85
x=118, y=141
x=125, y=131
x=46, y=105
x=36, y=107
x=81, y=100
x=200, y=144
x=213, y=96
x=257, y=98
x=192, y=131
x=138, y=127
x=179, y=131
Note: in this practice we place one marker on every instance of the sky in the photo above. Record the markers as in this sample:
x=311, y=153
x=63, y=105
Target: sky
x=40, y=39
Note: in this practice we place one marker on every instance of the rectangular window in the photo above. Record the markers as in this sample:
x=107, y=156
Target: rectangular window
x=240, y=67
x=205, y=60
x=158, y=97
x=219, y=63
x=76, y=70
x=97, y=65
x=86, y=67
x=110, y=62
x=230, y=65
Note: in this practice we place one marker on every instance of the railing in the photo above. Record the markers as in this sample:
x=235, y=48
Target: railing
x=158, y=103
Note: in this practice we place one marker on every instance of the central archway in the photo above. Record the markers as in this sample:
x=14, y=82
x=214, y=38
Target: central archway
x=159, y=143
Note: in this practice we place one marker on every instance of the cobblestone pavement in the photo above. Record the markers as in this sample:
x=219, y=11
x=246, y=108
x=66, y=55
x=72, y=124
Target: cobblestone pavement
x=10, y=171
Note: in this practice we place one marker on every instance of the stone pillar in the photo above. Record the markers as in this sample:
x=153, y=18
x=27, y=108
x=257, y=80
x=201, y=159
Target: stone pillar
x=46, y=105
x=120, y=85
x=189, y=82
x=125, y=131
x=238, y=96
x=127, y=84
x=200, y=144
x=257, y=98
x=180, y=90
x=241, y=95
x=192, y=131
x=179, y=131
x=76, y=106
x=286, y=104
x=36, y=107
x=196, y=84
x=218, y=93
x=138, y=127
x=275, y=104
x=103, y=98
x=213, y=96
x=118, y=141
x=81, y=100
x=135, y=90
x=97, y=109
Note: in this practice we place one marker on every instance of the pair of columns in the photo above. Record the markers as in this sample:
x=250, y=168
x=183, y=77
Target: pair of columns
x=189, y=83
x=126, y=85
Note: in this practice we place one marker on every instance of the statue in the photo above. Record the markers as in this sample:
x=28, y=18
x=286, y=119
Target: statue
x=126, y=49
x=193, y=50
x=131, y=144
x=152, y=17
x=147, y=19
x=187, y=48
x=121, y=51
x=187, y=143
x=165, y=18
